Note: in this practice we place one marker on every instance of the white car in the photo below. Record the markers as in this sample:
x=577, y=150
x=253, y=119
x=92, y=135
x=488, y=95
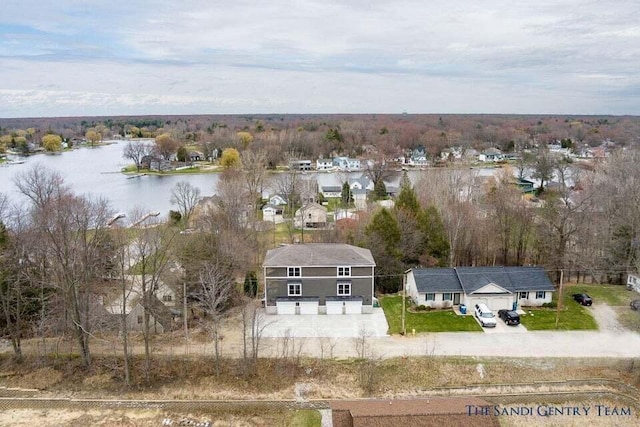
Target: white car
x=485, y=316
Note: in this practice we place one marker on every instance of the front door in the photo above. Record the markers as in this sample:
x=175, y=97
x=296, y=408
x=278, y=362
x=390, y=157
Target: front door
x=456, y=299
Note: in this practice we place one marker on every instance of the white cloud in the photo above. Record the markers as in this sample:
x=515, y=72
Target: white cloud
x=305, y=56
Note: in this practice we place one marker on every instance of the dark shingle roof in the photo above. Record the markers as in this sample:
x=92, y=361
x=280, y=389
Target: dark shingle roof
x=436, y=280
x=474, y=278
x=317, y=255
x=470, y=279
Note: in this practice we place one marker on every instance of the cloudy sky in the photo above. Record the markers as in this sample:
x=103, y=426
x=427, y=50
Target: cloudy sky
x=95, y=57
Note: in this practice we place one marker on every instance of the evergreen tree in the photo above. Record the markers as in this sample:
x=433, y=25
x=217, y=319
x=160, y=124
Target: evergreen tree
x=346, y=198
x=379, y=190
x=383, y=239
x=251, y=284
x=407, y=199
x=435, y=237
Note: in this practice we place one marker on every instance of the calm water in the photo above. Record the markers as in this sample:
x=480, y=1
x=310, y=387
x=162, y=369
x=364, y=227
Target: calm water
x=96, y=172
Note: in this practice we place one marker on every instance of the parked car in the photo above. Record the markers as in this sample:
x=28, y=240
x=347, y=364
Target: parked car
x=583, y=299
x=509, y=317
x=485, y=316
x=635, y=304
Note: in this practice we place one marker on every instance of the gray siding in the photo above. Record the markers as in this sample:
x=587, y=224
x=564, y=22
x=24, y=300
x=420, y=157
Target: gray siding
x=319, y=288
x=317, y=271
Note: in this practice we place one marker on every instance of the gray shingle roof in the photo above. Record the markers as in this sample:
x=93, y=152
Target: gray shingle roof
x=317, y=255
x=436, y=280
x=470, y=279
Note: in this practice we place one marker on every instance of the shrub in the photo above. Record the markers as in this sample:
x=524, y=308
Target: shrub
x=552, y=304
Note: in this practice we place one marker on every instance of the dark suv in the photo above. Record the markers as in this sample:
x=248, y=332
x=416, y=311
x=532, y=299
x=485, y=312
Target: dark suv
x=510, y=317
x=583, y=299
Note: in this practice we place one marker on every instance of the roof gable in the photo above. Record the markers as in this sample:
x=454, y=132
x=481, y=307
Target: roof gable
x=491, y=288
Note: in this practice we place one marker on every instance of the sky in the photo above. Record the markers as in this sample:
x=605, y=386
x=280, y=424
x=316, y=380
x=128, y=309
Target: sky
x=135, y=57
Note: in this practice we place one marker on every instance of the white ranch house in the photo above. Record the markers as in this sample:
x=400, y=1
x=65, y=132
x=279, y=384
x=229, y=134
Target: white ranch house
x=497, y=287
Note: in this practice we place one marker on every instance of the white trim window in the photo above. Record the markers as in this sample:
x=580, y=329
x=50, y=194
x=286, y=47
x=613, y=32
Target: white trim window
x=294, y=289
x=294, y=271
x=344, y=289
x=447, y=296
x=430, y=296
x=344, y=271
x=540, y=294
x=524, y=295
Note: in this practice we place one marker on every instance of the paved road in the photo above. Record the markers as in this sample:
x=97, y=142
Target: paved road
x=530, y=344
x=337, y=336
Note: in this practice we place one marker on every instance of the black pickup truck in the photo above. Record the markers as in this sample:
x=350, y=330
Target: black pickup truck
x=583, y=299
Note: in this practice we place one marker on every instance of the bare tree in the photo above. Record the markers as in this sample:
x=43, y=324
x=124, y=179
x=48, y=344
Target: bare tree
x=16, y=292
x=254, y=324
x=151, y=251
x=73, y=232
x=216, y=287
x=254, y=164
x=136, y=151
x=186, y=196
x=123, y=263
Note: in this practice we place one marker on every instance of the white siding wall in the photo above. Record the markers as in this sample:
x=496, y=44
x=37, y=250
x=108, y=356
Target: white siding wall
x=532, y=301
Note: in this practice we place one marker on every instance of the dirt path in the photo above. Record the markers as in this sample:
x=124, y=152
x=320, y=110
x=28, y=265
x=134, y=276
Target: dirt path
x=606, y=318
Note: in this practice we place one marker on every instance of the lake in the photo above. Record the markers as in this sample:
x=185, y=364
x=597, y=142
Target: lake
x=96, y=171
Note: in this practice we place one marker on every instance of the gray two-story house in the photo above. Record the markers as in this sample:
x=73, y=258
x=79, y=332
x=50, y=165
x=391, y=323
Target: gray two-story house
x=318, y=278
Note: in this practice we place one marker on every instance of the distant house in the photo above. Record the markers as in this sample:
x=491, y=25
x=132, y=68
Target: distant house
x=155, y=163
x=418, y=157
x=491, y=155
x=195, y=156
x=300, y=165
x=525, y=185
x=362, y=183
x=311, y=215
x=497, y=287
x=324, y=164
x=163, y=314
x=347, y=164
x=272, y=213
x=331, y=191
x=278, y=200
x=318, y=278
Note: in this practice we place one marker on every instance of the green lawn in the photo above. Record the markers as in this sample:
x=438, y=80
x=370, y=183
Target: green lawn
x=612, y=295
x=573, y=316
x=433, y=321
x=617, y=297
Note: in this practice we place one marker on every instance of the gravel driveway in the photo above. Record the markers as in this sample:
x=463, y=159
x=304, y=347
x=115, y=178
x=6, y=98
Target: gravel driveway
x=606, y=318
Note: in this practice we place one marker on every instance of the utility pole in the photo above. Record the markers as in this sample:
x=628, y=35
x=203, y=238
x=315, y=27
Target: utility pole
x=559, y=305
x=404, y=296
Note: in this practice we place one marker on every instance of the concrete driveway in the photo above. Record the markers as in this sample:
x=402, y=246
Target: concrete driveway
x=326, y=326
x=503, y=328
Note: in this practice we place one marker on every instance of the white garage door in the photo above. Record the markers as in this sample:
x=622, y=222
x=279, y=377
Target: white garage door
x=475, y=301
x=286, y=307
x=334, y=307
x=308, y=307
x=353, y=307
x=496, y=304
